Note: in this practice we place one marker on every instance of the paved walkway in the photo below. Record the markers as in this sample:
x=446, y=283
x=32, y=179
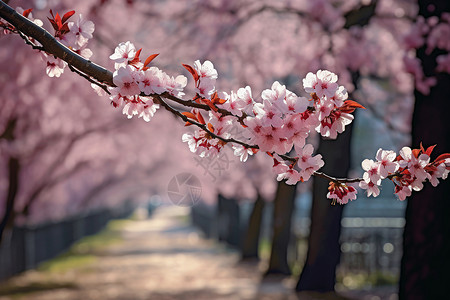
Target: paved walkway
x=161, y=258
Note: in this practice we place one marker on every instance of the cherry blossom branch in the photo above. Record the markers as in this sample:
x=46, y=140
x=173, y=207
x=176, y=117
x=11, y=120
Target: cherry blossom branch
x=337, y=180
x=51, y=45
x=202, y=126
x=282, y=121
x=89, y=70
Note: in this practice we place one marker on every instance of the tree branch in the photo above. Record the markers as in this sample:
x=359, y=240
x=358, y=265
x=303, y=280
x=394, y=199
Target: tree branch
x=52, y=46
x=91, y=71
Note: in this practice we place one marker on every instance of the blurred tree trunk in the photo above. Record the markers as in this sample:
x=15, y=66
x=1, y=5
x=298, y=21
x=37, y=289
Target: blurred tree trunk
x=250, y=244
x=319, y=271
x=13, y=182
x=229, y=221
x=426, y=239
x=283, y=208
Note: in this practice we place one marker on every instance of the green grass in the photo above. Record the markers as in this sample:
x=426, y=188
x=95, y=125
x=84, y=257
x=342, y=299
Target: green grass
x=83, y=252
x=16, y=291
x=364, y=279
x=80, y=257
x=264, y=248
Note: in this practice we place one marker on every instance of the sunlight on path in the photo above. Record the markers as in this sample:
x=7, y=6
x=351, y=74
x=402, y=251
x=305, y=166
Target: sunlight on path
x=160, y=258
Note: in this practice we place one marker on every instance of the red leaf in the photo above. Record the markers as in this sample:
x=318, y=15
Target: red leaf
x=188, y=124
x=189, y=115
x=416, y=152
x=216, y=99
x=421, y=148
x=149, y=59
x=192, y=71
x=442, y=157
x=58, y=21
x=67, y=15
x=54, y=25
x=350, y=106
x=210, y=127
x=27, y=12
x=51, y=12
x=200, y=118
x=353, y=104
x=429, y=150
x=136, y=59
x=64, y=29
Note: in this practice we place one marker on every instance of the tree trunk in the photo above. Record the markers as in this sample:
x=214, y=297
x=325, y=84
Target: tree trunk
x=250, y=244
x=319, y=271
x=13, y=176
x=13, y=181
x=281, y=227
x=229, y=221
x=426, y=240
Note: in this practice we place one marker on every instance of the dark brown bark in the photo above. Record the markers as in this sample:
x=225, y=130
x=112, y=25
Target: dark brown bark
x=51, y=45
x=425, y=267
x=319, y=271
x=250, y=243
x=13, y=182
x=281, y=227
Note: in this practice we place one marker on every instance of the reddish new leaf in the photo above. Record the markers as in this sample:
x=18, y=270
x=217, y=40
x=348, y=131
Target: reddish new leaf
x=416, y=152
x=135, y=59
x=442, y=157
x=192, y=71
x=149, y=59
x=200, y=118
x=350, y=106
x=54, y=25
x=67, y=15
x=216, y=99
x=429, y=150
x=58, y=21
x=27, y=12
x=189, y=115
x=210, y=127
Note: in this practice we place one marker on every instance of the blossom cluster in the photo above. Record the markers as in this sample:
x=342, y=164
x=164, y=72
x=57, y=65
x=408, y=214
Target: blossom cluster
x=428, y=33
x=408, y=171
x=275, y=123
x=135, y=82
x=74, y=35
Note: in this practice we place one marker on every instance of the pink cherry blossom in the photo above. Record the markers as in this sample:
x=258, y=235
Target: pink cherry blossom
x=245, y=99
x=296, y=104
x=149, y=81
x=387, y=164
x=125, y=81
x=242, y=152
x=370, y=187
x=292, y=176
x=323, y=83
x=55, y=66
x=149, y=108
x=205, y=70
x=123, y=53
x=276, y=97
x=403, y=191
x=440, y=171
x=308, y=163
x=232, y=104
x=415, y=165
x=372, y=171
x=82, y=30
x=341, y=193
x=176, y=85
x=268, y=114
